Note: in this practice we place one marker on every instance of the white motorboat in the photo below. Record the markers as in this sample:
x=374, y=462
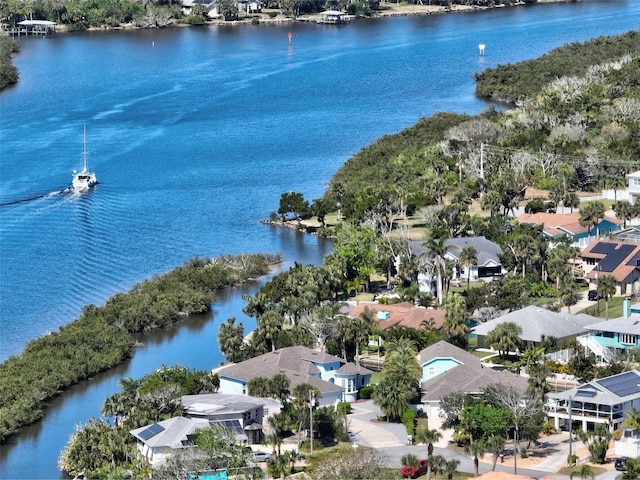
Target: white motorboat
x=84, y=179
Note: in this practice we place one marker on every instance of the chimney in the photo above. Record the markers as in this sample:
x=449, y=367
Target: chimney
x=626, y=307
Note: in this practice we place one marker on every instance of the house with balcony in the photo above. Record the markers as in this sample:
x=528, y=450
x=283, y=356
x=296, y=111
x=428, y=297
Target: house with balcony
x=613, y=338
x=336, y=379
x=601, y=401
x=558, y=225
x=608, y=257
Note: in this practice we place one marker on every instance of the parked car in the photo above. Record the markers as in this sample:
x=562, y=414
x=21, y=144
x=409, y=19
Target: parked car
x=414, y=472
x=620, y=463
x=259, y=456
x=593, y=295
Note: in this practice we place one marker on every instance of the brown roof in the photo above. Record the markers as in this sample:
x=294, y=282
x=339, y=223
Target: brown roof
x=558, y=223
x=403, y=314
x=622, y=270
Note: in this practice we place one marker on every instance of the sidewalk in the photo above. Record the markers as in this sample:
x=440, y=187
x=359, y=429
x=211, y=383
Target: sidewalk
x=364, y=431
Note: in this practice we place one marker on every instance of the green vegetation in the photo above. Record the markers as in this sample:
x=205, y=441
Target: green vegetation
x=8, y=72
x=102, y=337
x=517, y=82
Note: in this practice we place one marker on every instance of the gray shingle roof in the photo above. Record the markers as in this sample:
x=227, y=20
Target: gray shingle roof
x=469, y=377
x=536, y=322
x=629, y=325
x=297, y=363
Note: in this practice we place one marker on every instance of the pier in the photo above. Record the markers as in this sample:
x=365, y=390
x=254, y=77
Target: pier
x=31, y=27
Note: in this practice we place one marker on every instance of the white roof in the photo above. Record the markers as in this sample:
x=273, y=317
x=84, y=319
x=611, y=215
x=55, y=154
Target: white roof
x=332, y=12
x=36, y=22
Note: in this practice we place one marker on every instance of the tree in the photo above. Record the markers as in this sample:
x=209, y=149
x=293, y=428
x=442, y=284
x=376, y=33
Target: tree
x=468, y=258
x=455, y=326
x=434, y=257
x=505, y=337
x=632, y=419
x=624, y=211
x=429, y=437
x=294, y=203
x=590, y=216
x=476, y=449
x=522, y=407
x=607, y=285
x=230, y=339
x=584, y=473
x=228, y=9
x=597, y=442
x=304, y=395
x=451, y=468
x=269, y=326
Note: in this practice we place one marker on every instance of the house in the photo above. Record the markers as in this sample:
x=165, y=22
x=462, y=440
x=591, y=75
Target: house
x=620, y=259
x=337, y=380
x=558, y=225
x=157, y=442
x=240, y=414
x=601, y=401
x=447, y=369
x=404, y=314
x=537, y=323
x=249, y=6
x=486, y=268
x=188, y=5
x=634, y=187
x=333, y=17
x=614, y=337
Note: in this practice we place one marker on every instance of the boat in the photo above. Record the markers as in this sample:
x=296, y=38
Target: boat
x=84, y=179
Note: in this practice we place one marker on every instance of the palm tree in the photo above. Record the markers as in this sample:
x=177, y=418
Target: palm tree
x=606, y=289
x=274, y=440
x=624, y=211
x=504, y=338
x=429, y=437
x=230, y=337
x=633, y=419
x=468, y=258
x=455, y=326
x=451, y=468
x=476, y=449
x=495, y=445
x=434, y=256
x=585, y=472
x=269, y=325
x=303, y=396
x=362, y=327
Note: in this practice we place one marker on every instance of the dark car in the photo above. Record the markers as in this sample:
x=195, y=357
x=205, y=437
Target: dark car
x=620, y=463
x=593, y=295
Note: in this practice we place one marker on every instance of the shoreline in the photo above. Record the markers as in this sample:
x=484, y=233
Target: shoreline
x=387, y=10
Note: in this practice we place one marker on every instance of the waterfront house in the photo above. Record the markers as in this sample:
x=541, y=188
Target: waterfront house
x=336, y=379
x=633, y=187
x=537, y=323
x=601, y=401
x=620, y=259
x=242, y=415
x=613, y=338
x=447, y=369
x=558, y=225
x=158, y=442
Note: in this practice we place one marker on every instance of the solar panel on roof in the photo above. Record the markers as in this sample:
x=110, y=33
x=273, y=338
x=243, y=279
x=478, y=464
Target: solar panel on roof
x=614, y=258
x=231, y=425
x=152, y=431
x=622, y=385
x=603, y=247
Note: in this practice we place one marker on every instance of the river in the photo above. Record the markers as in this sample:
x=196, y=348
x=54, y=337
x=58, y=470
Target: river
x=194, y=133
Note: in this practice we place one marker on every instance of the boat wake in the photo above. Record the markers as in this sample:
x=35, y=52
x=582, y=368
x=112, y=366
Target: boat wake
x=38, y=196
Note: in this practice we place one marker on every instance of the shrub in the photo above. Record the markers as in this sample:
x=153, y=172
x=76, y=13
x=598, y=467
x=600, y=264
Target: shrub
x=408, y=419
x=344, y=407
x=366, y=393
x=409, y=460
x=548, y=427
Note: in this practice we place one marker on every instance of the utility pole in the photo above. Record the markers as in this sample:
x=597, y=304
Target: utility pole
x=312, y=397
x=570, y=459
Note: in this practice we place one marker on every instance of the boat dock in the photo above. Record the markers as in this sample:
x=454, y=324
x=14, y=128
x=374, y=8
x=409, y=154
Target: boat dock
x=31, y=27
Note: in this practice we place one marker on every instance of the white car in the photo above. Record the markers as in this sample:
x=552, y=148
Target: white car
x=259, y=456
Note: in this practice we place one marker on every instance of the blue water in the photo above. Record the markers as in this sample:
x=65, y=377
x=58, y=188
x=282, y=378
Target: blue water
x=194, y=133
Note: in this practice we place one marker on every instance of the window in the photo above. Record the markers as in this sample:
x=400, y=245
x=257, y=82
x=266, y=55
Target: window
x=627, y=339
x=635, y=182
